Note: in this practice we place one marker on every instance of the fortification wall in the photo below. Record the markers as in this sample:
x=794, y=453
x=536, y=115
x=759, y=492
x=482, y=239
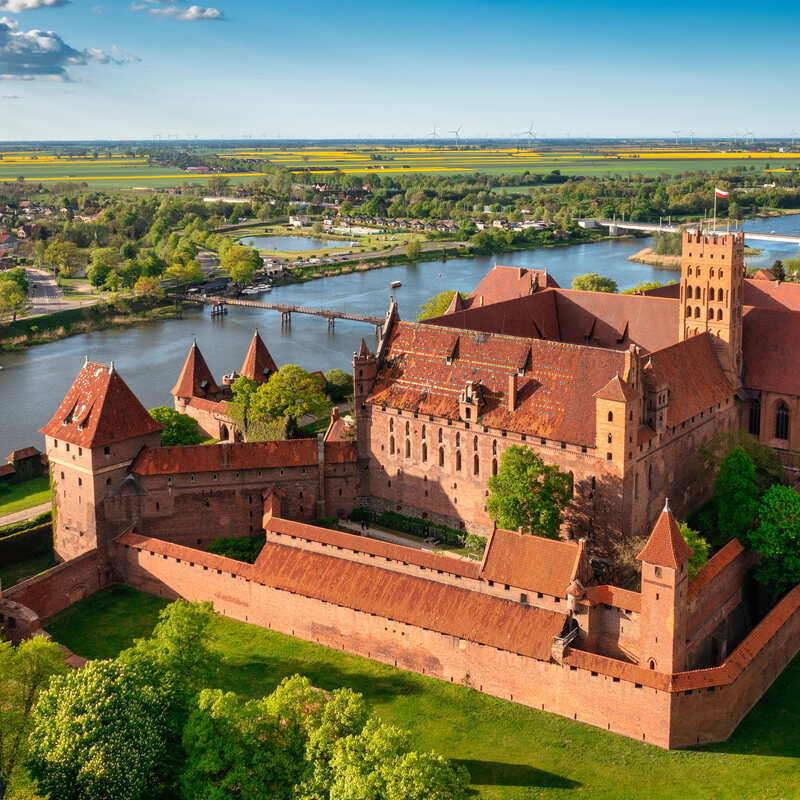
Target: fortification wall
x=61, y=586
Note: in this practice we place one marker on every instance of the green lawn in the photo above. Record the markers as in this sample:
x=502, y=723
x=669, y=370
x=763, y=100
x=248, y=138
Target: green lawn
x=19, y=496
x=512, y=752
x=26, y=569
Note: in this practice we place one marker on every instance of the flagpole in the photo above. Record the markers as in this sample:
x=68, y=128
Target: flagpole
x=715, y=210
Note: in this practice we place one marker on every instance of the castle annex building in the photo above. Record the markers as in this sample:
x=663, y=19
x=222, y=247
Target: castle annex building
x=619, y=390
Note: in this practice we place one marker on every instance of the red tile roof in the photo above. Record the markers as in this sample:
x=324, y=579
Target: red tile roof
x=258, y=363
x=229, y=456
x=617, y=390
x=615, y=597
x=714, y=566
x=771, y=294
x=99, y=409
x=195, y=379
x=551, y=396
x=6, y=470
x=666, y=547
x=764, y=275
x=376, y=547
x=505, y=283
x=770, y=349
x=22, y=453
x=693, y=374
x=532, y=563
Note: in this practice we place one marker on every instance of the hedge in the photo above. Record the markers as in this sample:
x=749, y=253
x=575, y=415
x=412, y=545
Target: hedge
x=25, y=524
x=26, y=544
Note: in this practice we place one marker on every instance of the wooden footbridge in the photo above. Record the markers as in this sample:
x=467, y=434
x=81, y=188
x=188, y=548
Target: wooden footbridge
x=331, y=315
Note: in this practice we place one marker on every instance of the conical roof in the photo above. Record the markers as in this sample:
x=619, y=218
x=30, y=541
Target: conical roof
x=258, y=363
x=363, y=351
x=99, y=409
x=195, y=379
x=456, y=304
x=666, y=547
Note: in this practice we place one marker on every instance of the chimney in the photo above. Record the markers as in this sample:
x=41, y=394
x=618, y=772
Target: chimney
x=512, y=391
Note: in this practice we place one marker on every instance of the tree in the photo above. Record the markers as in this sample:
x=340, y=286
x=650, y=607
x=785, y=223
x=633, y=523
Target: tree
x=736, y=495
x=102, y=261
x=149, y=289
x=316, y=228
x=438, y=304
x=290, y=392
x=699, y=549
x=217, y=184
x=105, y=732
x=179, y=429
x=769, y=469
x=185, y=274
x=64, y=258
x=592, y=282
x=527, y=493
x=777, y=538
x=778, y=270
x=12, y=299
x=339, y=385
x=25, y=672
x=241, y=263
x=413, y=250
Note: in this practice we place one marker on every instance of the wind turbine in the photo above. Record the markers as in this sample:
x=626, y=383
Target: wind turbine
x=531, y=134
x=457, y=134
x=794, y=136
x=677, y=134
x=433, y=134
x=691, y=138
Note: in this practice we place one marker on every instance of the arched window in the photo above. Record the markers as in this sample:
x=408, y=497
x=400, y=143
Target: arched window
x=782, y=421
x=719, y=314
x=689, y=291
x=494, y=466
x=458, y=461
x=711, y=295
x=689, y=271
x=720, y=273
x=424, y=452
x=755, y=417
x=391, y=424
x=652, y=664
x=408, y=448
x=475, y=444
x=408, y=428
x=423, y=433
x=697, y=311
x=711, y=313
x=476, y=466
x=494, y=447
x=711, y=273
x=223, y=433
x=440, y=435
x=696, y=292
x=610, y=416
x=391, y=445
x=458, y=439
x=688, y=311
x=441, y=456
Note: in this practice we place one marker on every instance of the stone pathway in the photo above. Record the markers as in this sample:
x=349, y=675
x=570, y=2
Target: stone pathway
x=26, y=513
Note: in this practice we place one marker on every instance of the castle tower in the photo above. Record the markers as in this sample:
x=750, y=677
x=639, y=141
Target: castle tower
x=91, y=441
x=258, y=363
x=365, y=371
x=618, y=416
x=712, y=282
x=195, y=380
x=665, y=597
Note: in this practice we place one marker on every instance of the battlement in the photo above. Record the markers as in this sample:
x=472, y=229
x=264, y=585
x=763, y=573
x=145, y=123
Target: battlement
x=727, y=240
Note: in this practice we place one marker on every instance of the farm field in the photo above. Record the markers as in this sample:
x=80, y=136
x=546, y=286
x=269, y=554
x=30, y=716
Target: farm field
x=142, y=172
x=513, y=752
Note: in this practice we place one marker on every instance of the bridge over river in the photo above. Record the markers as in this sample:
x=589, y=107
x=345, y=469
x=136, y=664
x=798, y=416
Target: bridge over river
x=331, y=315
x=615, y=226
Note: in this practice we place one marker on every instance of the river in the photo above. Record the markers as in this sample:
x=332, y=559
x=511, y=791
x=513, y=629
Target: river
x=149, y=357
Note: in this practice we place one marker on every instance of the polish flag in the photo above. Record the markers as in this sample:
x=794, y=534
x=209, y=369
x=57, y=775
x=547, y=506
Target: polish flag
x=720, y=193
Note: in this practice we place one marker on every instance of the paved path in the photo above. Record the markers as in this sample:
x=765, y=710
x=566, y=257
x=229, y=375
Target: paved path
x=26, y=513
x=397, y=538
x=47, y=297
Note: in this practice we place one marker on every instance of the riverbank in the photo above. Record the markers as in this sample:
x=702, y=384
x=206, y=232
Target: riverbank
x=648, y=256
x=51, y=327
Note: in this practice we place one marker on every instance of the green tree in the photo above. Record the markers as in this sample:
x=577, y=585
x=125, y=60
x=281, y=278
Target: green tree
x=736, y=495
x=184, y=274
x=217, y=185
x=102, y=261
x=316, y=228
x=241, y=263
x=526, y=493
x=149, y=289
x=592, y=282
x=339, y=385
x=778, y=270
x=179, y=429
x=438, y=304
x=777, y=538
x=64, y=258
x=290, y=392
x=105, y=732
x=699, y=549
x=769, y=469
x=12, y=299
x=413, y=250
x=25, y=672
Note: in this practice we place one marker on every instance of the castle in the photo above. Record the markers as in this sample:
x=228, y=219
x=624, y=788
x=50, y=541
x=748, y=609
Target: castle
x=620, y=390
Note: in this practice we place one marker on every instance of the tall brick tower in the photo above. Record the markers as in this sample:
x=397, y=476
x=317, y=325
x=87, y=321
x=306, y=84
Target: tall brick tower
x=91, y=441
x=365, y=370
x=712, y=282
x=665, y=597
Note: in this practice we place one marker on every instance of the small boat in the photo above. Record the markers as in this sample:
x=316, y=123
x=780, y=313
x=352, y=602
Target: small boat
x=396, y=284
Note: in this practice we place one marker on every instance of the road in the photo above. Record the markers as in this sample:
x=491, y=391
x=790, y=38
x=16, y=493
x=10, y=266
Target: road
x=26, y=513
x=46, y=297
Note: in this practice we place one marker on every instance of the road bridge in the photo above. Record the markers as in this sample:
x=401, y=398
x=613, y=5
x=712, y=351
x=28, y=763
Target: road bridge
x=615, y=226
x=286, y=310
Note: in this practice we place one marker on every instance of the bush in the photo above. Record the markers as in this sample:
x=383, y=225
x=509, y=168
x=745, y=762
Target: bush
x=240, y=548
x=25, y=524
x=412, y=525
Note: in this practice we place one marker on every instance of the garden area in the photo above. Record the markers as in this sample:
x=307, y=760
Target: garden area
x=24, y=494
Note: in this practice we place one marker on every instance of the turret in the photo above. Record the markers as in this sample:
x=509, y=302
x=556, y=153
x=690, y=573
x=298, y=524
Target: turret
x=258, y=364
x=665, y=599
x=195, y=380
x=616, y=419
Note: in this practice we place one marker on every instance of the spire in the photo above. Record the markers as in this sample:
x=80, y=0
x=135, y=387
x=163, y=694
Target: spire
x=195, y=379
x=258, y=363
x=456, y=304
x=363, y=351
x=666, y=546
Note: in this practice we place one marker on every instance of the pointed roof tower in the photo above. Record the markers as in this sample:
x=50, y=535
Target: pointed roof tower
x=363, y=351
x=195, y=379
x=456, y=304
x=258, y=363
x=99, y=409
x=666, y=547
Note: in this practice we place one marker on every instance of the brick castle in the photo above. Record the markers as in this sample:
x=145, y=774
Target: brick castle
x=620, y=390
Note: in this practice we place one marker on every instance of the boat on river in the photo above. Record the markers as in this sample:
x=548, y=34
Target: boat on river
x=396, y=284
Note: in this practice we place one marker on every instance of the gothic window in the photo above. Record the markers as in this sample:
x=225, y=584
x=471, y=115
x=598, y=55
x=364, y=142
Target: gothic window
x=711, y=273
x=711, y=294
x=423, y=433
x=711, y=313
x=458, y=461
x=688, y=311
x=408, y=449
x=441, y=456
x=720, y=273
x=475, y=444
x=424, y=452
x=782, y=421
x=458, y=439
x=476, y=467
x=689, y=271
x=609, y=438
x=408, y=428
x=440, y=435
x=688, y=291
x=697, y=311
x=494, y=447
x=494, y=466
x=391, y=424
x=610, y=416
x=719, y=314
x=696, y=292
x=391, y=445
x=755, y=417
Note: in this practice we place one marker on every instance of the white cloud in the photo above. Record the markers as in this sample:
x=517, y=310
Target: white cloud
x=27, y=55
x=184, y=13
x=18, y=6
x=10, y=97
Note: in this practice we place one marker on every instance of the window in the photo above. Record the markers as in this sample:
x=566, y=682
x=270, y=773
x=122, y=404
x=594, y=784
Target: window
x=636, y=487
x=650, y=477
x=424, y=452
x=458, y=461
x=391, y=424
x=475, y=445
x=719, y=314
x=711, y=294
x=711, y=313
x=441, y=456
x=609, y=438
x=408, y=449
x=494, y=466
x=782, y=421
x=610, y=418
x=755, y=417
x=107, y=450
x=658, y=572
x=468, y=412
x=391, y=445
x=423, y=433
x=494, y=447
x=476, y=467
x=696, y=292
x=408, y=428
x=458, y=439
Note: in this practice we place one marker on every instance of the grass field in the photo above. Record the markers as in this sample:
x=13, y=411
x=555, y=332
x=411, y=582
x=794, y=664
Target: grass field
x=25, y=569
x=512, y=752
x=19, y=496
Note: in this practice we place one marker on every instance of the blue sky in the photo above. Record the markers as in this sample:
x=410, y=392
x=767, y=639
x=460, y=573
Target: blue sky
x=136, y=68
